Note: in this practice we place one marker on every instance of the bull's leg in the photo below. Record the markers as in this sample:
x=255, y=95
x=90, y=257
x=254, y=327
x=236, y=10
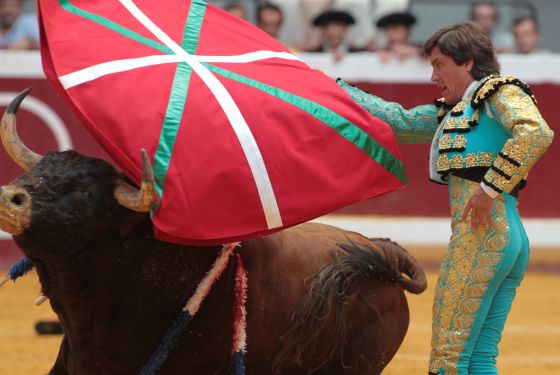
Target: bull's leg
x=59, y=367
x=377, y=321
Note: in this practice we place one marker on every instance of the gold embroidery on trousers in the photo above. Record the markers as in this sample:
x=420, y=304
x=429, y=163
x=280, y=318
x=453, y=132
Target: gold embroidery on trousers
x=467, y=268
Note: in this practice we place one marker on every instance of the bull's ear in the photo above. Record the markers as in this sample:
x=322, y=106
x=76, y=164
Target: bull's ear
x=19, y=152
x=134, y=199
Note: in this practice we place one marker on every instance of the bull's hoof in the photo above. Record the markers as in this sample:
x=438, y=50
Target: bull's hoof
x=48, y=328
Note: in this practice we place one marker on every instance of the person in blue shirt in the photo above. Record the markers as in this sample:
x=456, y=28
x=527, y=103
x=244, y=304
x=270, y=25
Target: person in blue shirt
x=17, y=30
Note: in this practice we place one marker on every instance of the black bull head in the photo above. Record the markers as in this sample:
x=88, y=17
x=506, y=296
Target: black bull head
x=319, y=298
x=15, y=201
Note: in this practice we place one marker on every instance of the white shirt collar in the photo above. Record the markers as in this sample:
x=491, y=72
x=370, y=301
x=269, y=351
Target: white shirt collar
x=470, y=89
x=434, y=149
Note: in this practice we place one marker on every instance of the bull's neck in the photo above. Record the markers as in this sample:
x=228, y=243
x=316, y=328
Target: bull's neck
x=106, y=283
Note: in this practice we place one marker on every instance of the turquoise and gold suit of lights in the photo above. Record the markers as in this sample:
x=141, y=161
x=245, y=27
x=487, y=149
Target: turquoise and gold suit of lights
x=499, y=128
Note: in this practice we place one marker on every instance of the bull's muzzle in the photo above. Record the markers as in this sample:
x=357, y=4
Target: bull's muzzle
x=15, y=209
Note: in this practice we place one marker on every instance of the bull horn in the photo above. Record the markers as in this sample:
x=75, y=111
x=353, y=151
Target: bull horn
x=5, y=279
x=23, y=156
x=134, y=199
x=39, y=300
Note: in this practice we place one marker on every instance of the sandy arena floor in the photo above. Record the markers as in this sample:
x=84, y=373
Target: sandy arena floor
x=531, y=343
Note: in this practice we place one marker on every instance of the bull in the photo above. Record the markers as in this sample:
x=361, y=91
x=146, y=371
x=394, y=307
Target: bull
x=320, y=299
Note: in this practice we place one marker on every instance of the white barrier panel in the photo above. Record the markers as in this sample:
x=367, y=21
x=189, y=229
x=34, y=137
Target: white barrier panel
x=432, y=231
x=362, y=66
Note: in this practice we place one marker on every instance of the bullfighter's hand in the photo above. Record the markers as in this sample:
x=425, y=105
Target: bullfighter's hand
x=479, y=205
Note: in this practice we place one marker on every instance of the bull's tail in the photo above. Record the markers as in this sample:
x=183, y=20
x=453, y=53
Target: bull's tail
x=321, y=310
x=403, y=263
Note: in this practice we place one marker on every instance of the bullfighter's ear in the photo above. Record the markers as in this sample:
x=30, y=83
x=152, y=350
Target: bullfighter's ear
x=134, y=199
x=22, y=155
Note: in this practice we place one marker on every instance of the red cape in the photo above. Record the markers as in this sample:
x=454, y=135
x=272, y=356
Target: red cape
x=245, y=138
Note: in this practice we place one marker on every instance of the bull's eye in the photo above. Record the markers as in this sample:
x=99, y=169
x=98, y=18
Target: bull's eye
x=18, y=199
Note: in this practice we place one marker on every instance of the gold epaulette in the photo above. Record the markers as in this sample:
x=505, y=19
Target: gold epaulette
x=441, y=103
x=492, y=84
x=443, y=108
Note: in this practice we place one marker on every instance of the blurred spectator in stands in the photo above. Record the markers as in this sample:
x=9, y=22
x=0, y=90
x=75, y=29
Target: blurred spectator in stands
x=236, y=9
x=299, y=14
x=334, y=26
x=17, y=30
x=396, y=28
x=485, y=13
x=527, y=35
x=309, y=10
x=269, y=19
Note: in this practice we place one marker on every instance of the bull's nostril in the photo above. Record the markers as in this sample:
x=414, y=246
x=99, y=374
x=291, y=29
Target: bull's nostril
x=18, y=199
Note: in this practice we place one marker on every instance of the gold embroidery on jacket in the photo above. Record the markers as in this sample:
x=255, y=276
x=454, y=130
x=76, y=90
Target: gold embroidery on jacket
x=447, y=143
x=505, y=166
x=497, y=180
x=459, y=108
x=516, y=111
x=446, y=164
x=456, y=124
x=493, y=84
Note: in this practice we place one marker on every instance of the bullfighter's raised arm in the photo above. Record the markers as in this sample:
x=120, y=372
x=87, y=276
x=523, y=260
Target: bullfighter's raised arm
x=415, y=125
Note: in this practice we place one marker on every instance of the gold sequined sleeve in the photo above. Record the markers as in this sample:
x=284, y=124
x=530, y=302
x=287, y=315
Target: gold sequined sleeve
x=416, y=125
x=514, y=109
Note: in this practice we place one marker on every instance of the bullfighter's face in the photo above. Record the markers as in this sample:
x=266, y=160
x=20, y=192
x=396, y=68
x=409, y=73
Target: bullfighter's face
x=451, y=78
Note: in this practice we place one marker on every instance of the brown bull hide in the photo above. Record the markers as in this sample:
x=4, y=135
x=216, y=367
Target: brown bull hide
x=114, y=323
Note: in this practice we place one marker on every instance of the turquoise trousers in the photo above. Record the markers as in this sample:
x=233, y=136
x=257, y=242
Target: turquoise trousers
x=476, y=285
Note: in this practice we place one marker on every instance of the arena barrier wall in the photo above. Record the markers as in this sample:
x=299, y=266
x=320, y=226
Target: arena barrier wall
x=45, y=123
